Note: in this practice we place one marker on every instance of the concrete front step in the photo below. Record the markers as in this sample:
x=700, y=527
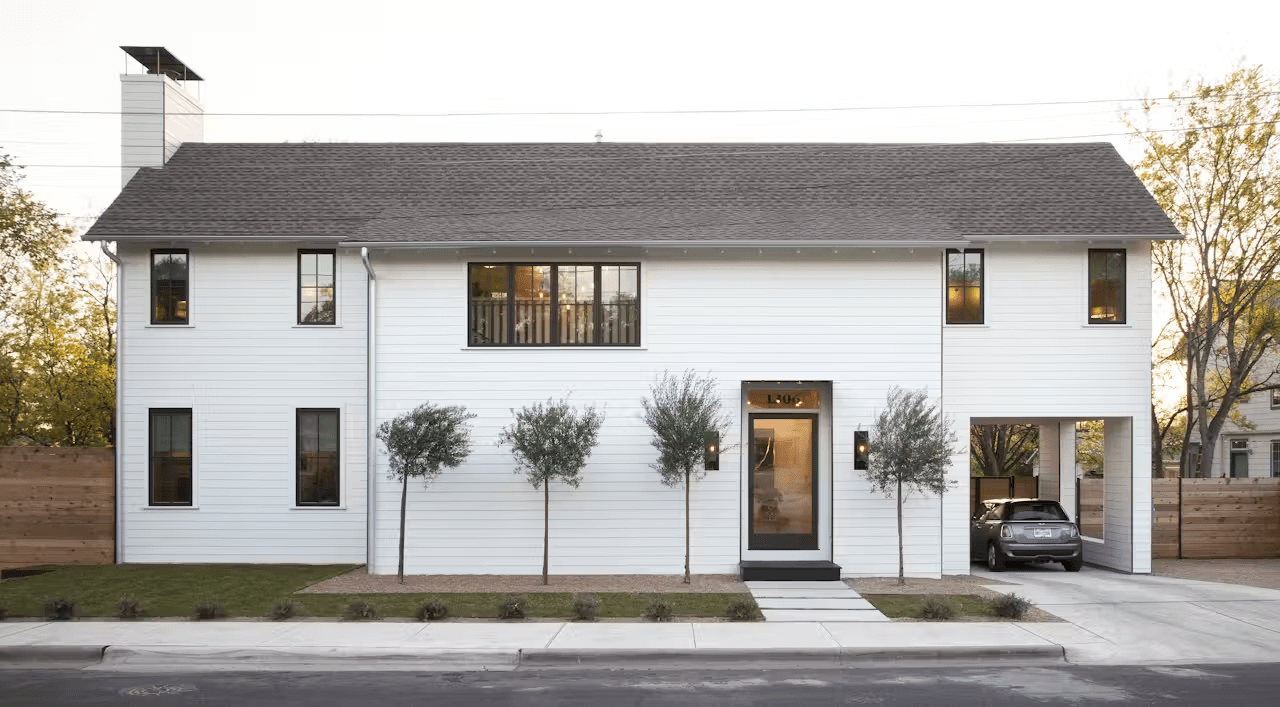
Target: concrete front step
x=871, y=616
x=820, y=603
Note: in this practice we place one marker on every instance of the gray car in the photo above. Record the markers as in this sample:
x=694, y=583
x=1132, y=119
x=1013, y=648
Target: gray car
x=1006, y=530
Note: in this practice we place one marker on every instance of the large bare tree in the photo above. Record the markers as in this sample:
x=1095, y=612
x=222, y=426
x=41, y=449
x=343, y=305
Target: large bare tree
x=1216, y=172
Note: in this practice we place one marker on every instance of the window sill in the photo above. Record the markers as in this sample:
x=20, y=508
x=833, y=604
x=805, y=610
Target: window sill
x=1106, y=326
x=555, y=348
x=170, y=326
x=317, y=326
x=171, y=508
x=317, y=508
x=967, y=326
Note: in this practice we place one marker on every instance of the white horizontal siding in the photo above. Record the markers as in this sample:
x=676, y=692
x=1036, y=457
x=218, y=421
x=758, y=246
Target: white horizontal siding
x=863, y=322
x=244, y=368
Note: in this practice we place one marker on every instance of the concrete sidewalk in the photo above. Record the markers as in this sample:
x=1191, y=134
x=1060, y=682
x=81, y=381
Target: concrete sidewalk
x=1110, y=619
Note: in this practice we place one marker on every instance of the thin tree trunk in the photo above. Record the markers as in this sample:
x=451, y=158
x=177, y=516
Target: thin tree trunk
x=404, y=497
x=686, y=526
x=901, y=575
x=546, y=528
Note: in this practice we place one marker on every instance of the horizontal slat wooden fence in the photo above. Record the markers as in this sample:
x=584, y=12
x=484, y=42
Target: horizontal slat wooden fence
x=56, y=506
x=1215, y=518
x=982, y=488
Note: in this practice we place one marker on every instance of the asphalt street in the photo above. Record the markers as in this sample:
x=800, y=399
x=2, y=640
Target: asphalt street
x=1218, y=685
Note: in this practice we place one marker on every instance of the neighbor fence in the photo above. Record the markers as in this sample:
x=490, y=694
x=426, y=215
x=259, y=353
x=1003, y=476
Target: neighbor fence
x=57, y=506
x=1215, y=518
x=982, y=488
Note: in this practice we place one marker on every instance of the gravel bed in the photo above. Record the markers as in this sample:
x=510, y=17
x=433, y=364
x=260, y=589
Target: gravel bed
x=359, y=581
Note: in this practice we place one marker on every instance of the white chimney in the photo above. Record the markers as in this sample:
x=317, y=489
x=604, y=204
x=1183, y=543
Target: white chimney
x=157, y=112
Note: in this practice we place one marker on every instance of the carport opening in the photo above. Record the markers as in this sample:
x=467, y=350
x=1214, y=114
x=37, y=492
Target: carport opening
x=1003, y=462
x=1091, y=494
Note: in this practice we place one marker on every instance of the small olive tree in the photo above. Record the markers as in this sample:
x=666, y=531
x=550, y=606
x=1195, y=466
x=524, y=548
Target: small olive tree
x=911, y=447
x=421, y=443
x=683, y=410
x=551, y=441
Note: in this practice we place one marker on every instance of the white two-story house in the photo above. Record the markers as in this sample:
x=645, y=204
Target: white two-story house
x=278, y=301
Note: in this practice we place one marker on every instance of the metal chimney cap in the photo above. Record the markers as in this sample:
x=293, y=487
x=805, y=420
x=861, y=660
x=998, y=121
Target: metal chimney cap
x=158, y=60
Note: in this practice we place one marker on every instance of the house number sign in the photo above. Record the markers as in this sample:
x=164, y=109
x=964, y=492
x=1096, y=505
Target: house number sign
x=783, y=399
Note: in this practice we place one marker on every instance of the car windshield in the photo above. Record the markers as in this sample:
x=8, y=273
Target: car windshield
x=1037, y=510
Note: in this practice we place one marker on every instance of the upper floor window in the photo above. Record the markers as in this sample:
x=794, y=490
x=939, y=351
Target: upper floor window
x=1275, y=399
x=570, y=304
x=169, y=285
x=169, y=460
x=1106, y=286
x=317, y=301
x=964, y=286
x=318, y=467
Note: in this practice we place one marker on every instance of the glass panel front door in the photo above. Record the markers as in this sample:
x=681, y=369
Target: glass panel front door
x=782, y=480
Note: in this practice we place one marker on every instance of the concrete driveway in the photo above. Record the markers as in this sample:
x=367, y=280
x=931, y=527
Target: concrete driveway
x=1144, y=619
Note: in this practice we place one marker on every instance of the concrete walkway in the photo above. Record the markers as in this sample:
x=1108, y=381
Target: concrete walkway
x=1110, y=619
x=812, y=601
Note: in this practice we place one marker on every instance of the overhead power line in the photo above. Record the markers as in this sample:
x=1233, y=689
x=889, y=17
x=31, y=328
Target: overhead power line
x=696, y=111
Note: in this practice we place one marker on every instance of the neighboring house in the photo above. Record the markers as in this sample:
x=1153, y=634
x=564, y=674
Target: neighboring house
x=1252, y=452
x=279, y=300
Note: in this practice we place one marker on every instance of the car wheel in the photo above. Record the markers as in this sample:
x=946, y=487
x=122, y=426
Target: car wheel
x=995, y=561
x=1073, y=565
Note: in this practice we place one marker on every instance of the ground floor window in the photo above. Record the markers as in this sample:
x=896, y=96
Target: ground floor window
x=317, y=467
x=169, y=467
x=1275, y=459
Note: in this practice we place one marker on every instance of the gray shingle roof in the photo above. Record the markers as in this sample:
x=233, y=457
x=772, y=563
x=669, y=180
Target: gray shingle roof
x=634, y=192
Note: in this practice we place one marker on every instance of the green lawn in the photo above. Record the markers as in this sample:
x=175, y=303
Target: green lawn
x=251, y=590
x=908, y=605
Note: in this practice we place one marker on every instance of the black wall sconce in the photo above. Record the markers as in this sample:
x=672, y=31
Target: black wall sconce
x=861, y=448
x=711, y=451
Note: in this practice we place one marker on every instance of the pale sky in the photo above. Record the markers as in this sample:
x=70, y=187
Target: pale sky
x=381, y=56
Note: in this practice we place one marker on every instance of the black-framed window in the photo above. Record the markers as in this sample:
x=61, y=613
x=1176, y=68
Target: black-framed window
x=553, y=304
x=1275, y=459
x=1106, y=286
x=317, y=292
x=318, y=472
x=169, y=457
x=964, y=286
x=169, y=286
x=1275, y=399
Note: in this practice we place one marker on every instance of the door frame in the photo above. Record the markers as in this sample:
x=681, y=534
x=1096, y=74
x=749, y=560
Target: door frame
x=822, y=471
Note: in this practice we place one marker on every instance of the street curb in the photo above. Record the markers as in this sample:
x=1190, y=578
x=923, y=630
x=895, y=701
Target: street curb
x=50, y=654
x=200, y=658
x=835, y=655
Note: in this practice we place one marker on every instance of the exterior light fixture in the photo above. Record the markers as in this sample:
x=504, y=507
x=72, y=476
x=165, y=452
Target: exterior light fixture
x=861, y=449
x=711, y=451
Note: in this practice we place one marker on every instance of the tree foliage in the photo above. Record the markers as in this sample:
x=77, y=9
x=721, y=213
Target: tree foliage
x=550, y=442
x=1216, y=173
x=420, y=444
x=911, y=448
x=1003, y=450
x=57, y=329
x=683, y=410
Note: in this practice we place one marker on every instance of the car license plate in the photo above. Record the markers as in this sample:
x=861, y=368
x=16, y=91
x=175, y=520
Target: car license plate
x=1042, y=532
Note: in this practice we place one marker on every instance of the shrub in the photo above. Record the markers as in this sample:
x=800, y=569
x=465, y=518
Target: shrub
x=206, y=610
x=937, y=608
x=512, y=607
x=1010, y=606
x=129, y=608
x=360, y=610
x=285, y=610
x=59, y=609
x=433, y=610
x=584, y=607
x=659, y=610
x=743, y=610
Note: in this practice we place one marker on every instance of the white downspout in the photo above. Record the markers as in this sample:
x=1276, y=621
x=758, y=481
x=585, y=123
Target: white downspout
x=119, y=431
x=371, y=461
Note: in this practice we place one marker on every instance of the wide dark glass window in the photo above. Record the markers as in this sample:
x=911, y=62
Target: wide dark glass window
x=964, y=286
x=1106, y=286
x=317, y=297
x=569, y=304
x=318, y=457
x=169, y=286
x=169, y=468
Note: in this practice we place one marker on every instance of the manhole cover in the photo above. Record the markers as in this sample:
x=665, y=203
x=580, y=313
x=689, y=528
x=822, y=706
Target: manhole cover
x=149, y=690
